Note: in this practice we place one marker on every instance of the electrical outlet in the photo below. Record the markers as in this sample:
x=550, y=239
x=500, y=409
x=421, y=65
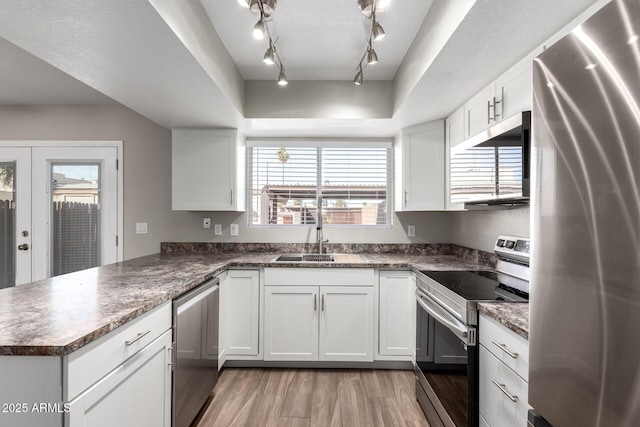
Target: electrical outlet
x=206, y=223
x=141, y=228
x=411, y=231
x=233, y=230
x=217, y=230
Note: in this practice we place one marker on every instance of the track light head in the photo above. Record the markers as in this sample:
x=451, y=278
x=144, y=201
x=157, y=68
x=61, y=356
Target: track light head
x=372, y=57
x=268, y=7
x=270, y=55
x=359, y=76
x=282, y=78
x=259, y=29
x=377, y=32
x=369, y=7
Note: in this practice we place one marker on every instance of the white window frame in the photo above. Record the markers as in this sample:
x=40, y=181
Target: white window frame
x=322, y=143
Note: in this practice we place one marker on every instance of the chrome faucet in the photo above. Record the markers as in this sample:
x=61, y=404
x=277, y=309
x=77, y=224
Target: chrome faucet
x=319, y=237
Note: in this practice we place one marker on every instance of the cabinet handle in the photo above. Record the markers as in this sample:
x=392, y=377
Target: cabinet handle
x=504, y=390
x=405, y=198
x=322, y=303
x=503, y=347
x=139, y=337
x=231, y=196
x=489, y=112
x=170, y=350
x=315, y=303
x=495, y=108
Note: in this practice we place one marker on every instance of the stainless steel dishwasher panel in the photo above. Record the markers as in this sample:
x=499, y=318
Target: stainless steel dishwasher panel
x=195, y=354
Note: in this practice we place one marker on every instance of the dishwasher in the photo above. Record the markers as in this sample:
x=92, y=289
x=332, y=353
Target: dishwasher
x=195, y=351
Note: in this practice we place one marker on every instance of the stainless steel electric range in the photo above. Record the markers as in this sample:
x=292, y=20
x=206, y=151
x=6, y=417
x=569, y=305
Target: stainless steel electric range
x=447, y=330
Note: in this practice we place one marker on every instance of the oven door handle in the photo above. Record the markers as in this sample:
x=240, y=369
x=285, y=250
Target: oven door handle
x=454, y=325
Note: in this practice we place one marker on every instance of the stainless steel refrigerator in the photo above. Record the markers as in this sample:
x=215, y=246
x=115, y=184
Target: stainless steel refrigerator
x=585, y=285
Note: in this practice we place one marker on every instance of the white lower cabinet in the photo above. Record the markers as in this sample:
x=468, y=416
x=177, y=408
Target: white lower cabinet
x=124, y=377
x=136, y=393
x=241, y=301
x=502, y=375
x=396, y=334
x=326, y=321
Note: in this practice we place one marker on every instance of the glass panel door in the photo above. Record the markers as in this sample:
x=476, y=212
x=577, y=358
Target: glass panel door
x=15, y=216
x=7, y=224
x=75, y=217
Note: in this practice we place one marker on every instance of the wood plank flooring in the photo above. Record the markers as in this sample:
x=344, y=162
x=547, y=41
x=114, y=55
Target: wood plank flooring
x=313, y=397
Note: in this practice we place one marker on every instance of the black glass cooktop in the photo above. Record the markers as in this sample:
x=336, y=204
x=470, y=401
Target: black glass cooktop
x=476, y=285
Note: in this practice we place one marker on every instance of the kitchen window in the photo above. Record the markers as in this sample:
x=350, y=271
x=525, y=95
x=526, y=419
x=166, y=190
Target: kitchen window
x=350, y=181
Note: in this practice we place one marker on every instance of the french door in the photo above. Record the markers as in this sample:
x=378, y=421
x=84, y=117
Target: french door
x=60, y=210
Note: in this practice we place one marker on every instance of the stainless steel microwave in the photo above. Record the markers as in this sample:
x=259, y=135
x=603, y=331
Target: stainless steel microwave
x=493, y=167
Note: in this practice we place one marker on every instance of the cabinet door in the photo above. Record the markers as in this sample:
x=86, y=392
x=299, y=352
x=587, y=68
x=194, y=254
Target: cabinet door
x=397, y=298
x=480, y=111
x=422, y=168
x=136, y=393
x=291, y=323
x=204, y=170
x=515, y=90
x=346, y=323
x=455, y=135
x=242, y=313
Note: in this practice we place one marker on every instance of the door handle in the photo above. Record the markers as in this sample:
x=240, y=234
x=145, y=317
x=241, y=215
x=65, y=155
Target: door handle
x=23, y=247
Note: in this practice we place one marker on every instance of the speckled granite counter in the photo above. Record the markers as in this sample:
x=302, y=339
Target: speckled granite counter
x=58, y=316
x=513, y=315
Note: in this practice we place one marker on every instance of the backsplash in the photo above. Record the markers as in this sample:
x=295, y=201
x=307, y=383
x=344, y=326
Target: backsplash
x=467, y=254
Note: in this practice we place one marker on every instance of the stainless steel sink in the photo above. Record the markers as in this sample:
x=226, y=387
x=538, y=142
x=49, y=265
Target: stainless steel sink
x=305, y=258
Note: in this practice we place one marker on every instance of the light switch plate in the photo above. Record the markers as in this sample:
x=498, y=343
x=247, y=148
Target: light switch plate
x=233, y=230
x=217, y=230
x=411, y=231
x=141, y=228
x=206, y=223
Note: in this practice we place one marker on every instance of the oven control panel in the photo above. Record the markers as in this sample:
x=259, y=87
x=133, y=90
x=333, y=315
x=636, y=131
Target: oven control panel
x=515, y=248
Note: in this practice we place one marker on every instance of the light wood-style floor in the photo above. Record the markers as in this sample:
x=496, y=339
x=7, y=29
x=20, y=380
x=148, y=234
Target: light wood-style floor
x=314, y=397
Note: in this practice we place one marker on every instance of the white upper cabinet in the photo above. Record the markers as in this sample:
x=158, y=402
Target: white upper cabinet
x=509, y=95
x=420, y=169
x=207, y=170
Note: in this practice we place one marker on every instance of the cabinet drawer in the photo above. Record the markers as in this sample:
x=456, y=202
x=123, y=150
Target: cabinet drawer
x=93, y=361
x=318, y=276
x=501, y=341
x=495, y=405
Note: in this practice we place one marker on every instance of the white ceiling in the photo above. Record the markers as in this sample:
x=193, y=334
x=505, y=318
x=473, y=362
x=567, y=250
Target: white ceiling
x=72, y=52
x=319, y=40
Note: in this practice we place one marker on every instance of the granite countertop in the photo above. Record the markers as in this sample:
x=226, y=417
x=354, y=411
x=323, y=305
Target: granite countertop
x=60, y=315
x=513, y=315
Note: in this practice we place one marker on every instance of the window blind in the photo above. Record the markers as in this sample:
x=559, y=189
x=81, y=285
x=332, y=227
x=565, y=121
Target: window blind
x=352, y=185
x=485, y=171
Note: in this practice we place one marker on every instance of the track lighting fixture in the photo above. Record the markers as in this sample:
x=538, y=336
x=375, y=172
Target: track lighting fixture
x=265, y=8
x=369, y=9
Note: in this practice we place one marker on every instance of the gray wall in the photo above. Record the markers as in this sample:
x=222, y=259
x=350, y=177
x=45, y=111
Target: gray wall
x=479, y=229
x=147, y=183
x=147, y=159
